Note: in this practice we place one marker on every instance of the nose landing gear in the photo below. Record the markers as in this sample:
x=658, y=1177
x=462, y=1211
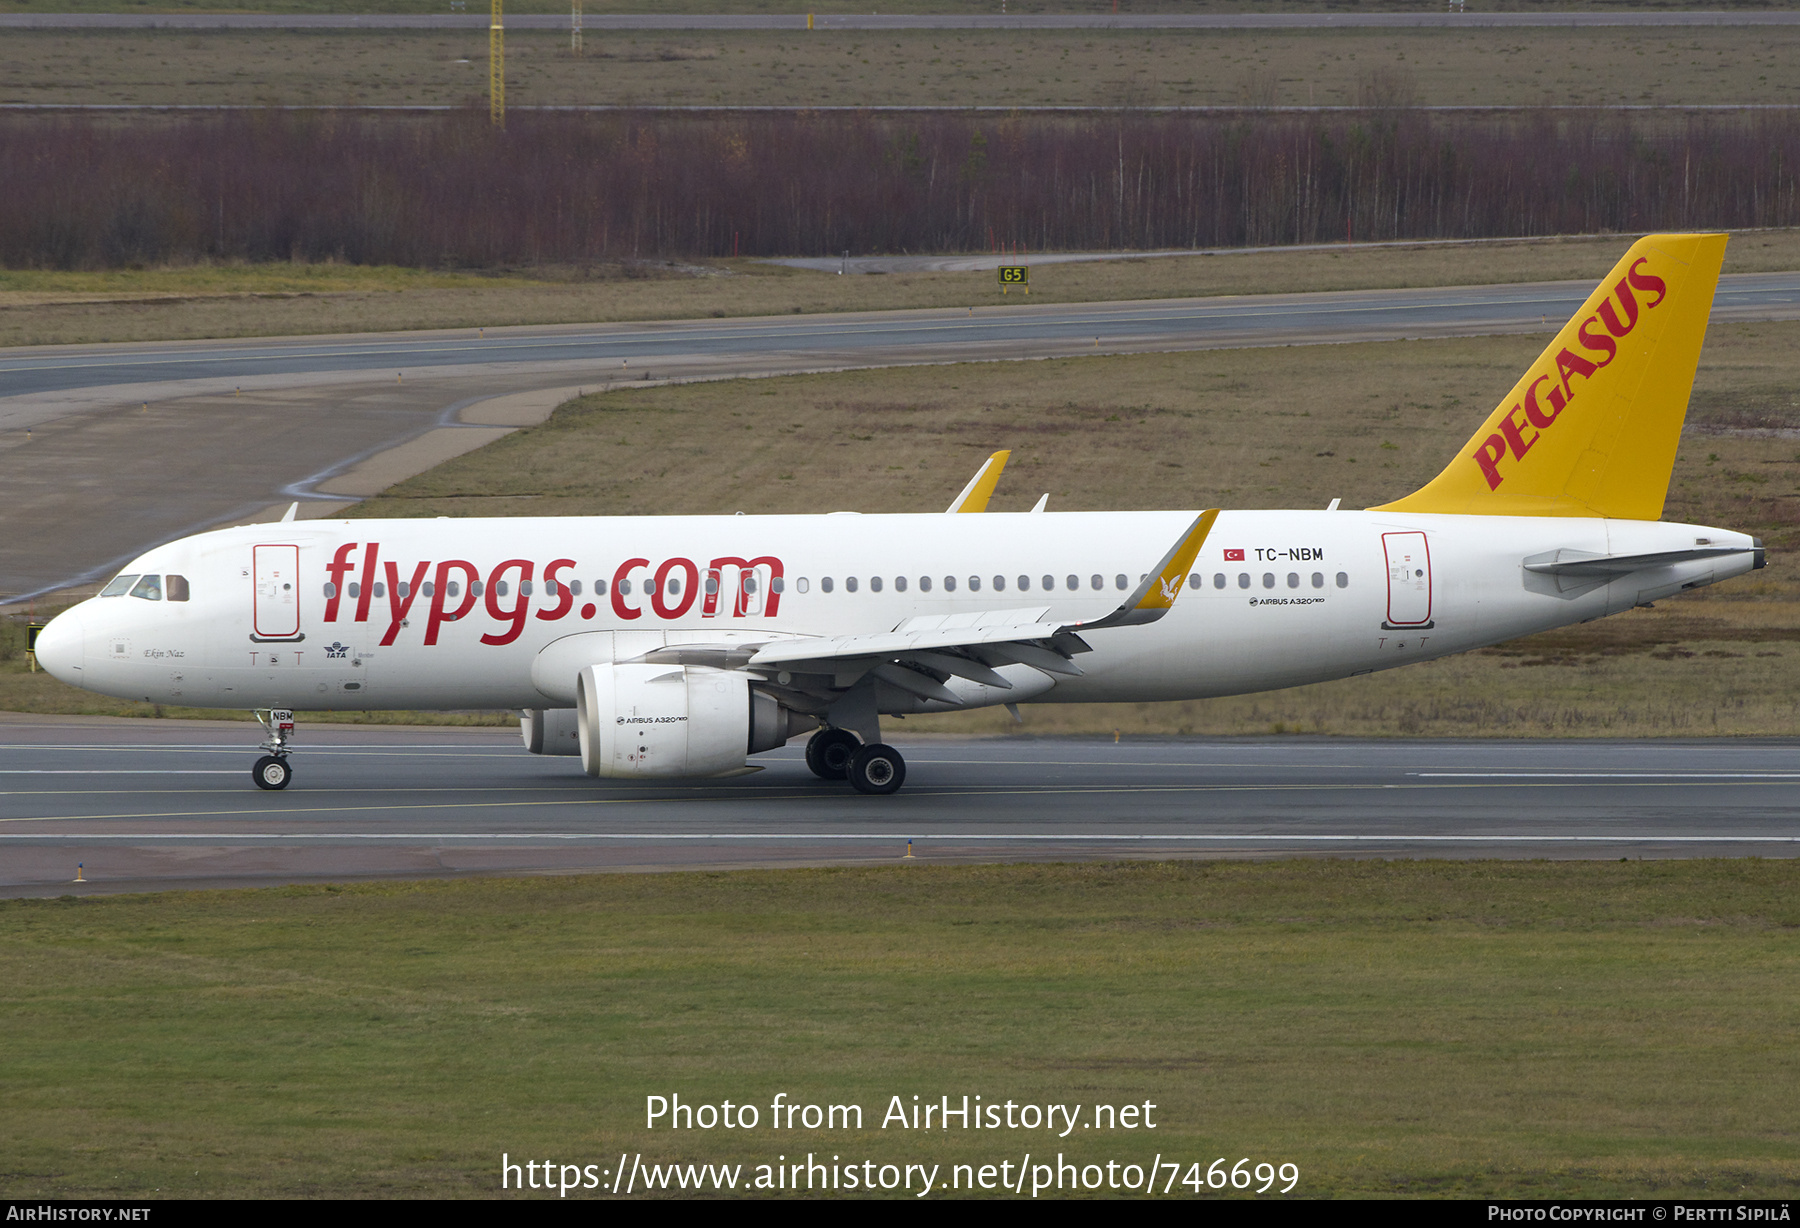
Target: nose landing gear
x=272, y=770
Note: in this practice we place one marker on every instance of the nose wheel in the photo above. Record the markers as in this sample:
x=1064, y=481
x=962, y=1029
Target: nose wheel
x=272, y=770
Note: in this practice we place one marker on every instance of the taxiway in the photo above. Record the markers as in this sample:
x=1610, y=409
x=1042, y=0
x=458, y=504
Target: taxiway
x=149, y=805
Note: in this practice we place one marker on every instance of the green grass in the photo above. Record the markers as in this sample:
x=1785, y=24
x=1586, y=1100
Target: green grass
x=1005, y=67
x=43, y=306
x=1475, y=1029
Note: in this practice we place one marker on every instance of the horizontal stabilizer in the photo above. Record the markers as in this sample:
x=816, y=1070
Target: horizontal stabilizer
x=1585, y=563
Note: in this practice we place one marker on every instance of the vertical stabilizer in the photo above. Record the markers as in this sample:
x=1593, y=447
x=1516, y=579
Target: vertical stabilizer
x=1591, y=429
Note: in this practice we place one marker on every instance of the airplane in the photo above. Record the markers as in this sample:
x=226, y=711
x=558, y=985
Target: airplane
x=681, y=646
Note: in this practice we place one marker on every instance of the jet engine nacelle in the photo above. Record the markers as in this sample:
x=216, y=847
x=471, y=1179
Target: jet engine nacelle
x=550, y=731
x=658, y=720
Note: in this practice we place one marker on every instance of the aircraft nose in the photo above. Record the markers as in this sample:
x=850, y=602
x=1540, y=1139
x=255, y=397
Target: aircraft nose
x=59, y=647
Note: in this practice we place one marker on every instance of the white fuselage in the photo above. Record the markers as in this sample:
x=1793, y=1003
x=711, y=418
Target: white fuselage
x=1275, y=598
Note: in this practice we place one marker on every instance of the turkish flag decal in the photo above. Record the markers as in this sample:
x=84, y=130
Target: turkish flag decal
x=1234, y=556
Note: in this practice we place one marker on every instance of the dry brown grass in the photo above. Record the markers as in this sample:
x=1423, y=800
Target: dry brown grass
x=48, y=307
x=1524, y=67
x=1251, y=428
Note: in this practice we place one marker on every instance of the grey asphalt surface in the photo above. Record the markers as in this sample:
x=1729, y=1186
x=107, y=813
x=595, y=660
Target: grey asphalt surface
x=145, y=805
x=136, y=444
x=881, y=21
x=934, y=335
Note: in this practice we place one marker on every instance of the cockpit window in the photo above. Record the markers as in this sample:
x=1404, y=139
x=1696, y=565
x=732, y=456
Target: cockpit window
x=175, y=588
x=119, y=587
x=148, y=587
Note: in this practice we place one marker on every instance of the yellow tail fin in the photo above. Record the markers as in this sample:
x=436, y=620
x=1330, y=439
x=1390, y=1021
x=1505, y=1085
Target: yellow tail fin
x=1591, y=428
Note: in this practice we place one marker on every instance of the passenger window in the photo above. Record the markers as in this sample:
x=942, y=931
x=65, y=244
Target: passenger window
x=1268, y=579
x=550, y=589
x=1096, y=582
x=330, y=589
x=453, y=588
x=1119, y=581
x=825, y=584
x=712, y=584
x=900, y=584
x=1074, y=582
x=1293, y=579
x=428, y=588
x=849, y=584
x=1318, y=579
x=874, y=584
x=574, y=588
x=1243, y=579
x=1219, y=579
x=405, y=589
x=175, y=588
x=355, y=589
x=999, y=584
x=475, y=588
x=1024, y=584
x=524, y=589
x=777, y=584
x=675, y=586
x=1194, y=580
x=974, y=584
x=149, y=588
x=119, y=587
x=803, y=584
x=924, y=584
x=949, y=584
x=1343, y=580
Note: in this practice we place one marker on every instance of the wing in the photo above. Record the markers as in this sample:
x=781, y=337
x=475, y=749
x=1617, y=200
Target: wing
x=922, y=654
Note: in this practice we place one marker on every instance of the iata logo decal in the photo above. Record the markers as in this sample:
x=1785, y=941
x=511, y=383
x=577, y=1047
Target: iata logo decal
x=336, y=652
x=1599, y=334
x=752, y=586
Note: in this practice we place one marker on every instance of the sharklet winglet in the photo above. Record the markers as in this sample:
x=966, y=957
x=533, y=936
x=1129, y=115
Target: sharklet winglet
x=1155, y=595
x=975, y=496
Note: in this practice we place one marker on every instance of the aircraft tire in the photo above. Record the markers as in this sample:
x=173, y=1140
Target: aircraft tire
x=271, y=772
x=829, y=751
x=877, y=769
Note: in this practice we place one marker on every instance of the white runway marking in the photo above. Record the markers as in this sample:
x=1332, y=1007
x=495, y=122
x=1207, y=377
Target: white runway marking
x=726, y=793
x=1610, y=775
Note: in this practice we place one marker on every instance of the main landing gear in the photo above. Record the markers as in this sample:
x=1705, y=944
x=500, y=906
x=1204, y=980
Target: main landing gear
x=838, y=754
x=272, y=770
